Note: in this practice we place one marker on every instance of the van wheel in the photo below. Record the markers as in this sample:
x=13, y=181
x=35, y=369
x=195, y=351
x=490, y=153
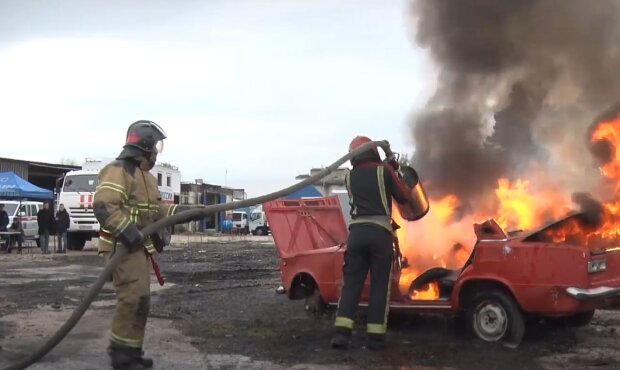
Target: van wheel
x=260, y=231
x=315, y=305
x=75, y=242
x=495, y=317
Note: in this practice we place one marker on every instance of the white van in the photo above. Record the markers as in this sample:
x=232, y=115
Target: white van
x=27, y=211
x=240, y=221
x=258, y=222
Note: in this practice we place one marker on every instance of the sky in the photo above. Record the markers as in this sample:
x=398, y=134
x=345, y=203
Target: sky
x=251, y=93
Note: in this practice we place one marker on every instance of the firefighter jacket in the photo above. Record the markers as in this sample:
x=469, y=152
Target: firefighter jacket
x=371, y=186
x=127, y=199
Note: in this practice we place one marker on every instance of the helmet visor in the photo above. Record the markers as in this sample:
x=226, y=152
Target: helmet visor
x=158, y=128
x=159, y=146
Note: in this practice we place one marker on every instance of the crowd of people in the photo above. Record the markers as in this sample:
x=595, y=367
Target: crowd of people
x=48, y=224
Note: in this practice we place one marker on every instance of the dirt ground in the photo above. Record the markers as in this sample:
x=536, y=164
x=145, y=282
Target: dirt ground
x=219, y=310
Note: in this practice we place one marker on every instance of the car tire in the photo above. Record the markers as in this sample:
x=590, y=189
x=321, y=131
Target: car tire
x=260, y=231
x=574, y=321
x=314, y=304
x=493, y=316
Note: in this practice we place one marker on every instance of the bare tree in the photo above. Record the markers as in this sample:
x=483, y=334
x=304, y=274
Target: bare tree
x=68, y=161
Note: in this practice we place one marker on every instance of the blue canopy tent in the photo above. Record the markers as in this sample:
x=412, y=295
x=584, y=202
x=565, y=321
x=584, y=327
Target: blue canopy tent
x=14, y=187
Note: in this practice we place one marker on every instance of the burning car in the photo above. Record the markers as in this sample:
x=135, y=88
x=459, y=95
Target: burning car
x=496, y=285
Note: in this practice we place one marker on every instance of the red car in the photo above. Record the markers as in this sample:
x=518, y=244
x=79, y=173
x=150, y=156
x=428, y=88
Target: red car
x=504, y=281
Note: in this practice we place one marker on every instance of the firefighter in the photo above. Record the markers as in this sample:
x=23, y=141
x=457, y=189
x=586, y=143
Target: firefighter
x=127, y=199
x=371, y=184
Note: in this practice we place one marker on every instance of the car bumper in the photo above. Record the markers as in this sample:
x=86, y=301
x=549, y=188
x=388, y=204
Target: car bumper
x=594, y=293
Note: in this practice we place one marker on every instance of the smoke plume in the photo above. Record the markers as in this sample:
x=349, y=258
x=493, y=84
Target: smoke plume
x=519, y=84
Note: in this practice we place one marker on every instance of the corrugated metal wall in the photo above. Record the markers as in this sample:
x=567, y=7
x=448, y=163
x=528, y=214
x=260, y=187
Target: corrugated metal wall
x=20, y=169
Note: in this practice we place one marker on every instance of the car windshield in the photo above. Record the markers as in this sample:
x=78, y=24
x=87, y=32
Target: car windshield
x=237, y=216
x=81, y=183
x=10, y=209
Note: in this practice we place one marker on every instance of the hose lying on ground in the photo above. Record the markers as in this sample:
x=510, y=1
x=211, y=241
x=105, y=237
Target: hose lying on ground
x=194, y=214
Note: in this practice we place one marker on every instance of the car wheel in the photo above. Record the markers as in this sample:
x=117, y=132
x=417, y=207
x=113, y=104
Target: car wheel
x=260, y=231
x=574, y=321
x=315, y=305
x=495, y=317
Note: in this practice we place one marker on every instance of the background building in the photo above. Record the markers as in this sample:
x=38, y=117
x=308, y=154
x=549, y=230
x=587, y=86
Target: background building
x=41, y=174
x=200, y=192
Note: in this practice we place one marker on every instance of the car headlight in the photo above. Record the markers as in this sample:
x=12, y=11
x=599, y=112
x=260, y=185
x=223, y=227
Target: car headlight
x=597, y=266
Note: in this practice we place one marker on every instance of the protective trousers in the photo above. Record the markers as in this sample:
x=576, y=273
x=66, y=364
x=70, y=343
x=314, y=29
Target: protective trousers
x=368, y=247
x=132, y=284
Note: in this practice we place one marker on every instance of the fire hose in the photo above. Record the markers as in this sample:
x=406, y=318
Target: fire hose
x=190, y=215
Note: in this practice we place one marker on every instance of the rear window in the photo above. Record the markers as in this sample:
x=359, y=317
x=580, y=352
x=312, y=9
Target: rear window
x=81, y=183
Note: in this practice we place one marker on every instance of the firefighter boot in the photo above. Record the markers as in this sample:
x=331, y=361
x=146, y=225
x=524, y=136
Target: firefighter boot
x=342, y=338
x=144, y=361
x=127, y=358
x=376, y=341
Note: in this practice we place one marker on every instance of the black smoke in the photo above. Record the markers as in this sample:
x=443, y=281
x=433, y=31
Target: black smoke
x=516, y=80
x=593, y=211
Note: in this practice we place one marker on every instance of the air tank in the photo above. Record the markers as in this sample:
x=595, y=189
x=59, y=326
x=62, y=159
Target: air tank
x=418, y=206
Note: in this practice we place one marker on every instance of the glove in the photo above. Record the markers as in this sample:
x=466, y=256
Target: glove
x=158, y=241
x=132, y=238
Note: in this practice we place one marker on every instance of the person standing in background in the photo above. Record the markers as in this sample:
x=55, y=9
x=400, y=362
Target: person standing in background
x=4, y=218
x=62, y=225
x=45, y=219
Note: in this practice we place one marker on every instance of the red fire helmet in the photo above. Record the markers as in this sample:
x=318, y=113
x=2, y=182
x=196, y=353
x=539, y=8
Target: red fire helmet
x=361, y=140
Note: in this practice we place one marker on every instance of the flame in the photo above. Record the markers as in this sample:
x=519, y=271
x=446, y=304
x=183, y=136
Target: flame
x=431, y=293
x=420, y=242
x=609, y=131
x=517, y=205
x=604, y=232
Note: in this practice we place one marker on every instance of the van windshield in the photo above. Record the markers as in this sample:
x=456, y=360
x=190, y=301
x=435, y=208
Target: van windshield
x=10, y=209
x=237, y=216
x=81, y=183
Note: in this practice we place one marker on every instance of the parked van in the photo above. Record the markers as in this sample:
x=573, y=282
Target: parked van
x=258, y=222
x=240, y=221
x=27, y=212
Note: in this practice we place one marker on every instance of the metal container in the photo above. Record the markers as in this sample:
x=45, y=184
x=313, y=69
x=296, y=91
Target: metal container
x=419, y=205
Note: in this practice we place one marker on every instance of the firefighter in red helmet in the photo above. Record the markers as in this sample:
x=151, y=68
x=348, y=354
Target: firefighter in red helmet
x=371, y=185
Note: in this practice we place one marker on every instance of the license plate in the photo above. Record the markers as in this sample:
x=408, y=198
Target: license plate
x=84, y=227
